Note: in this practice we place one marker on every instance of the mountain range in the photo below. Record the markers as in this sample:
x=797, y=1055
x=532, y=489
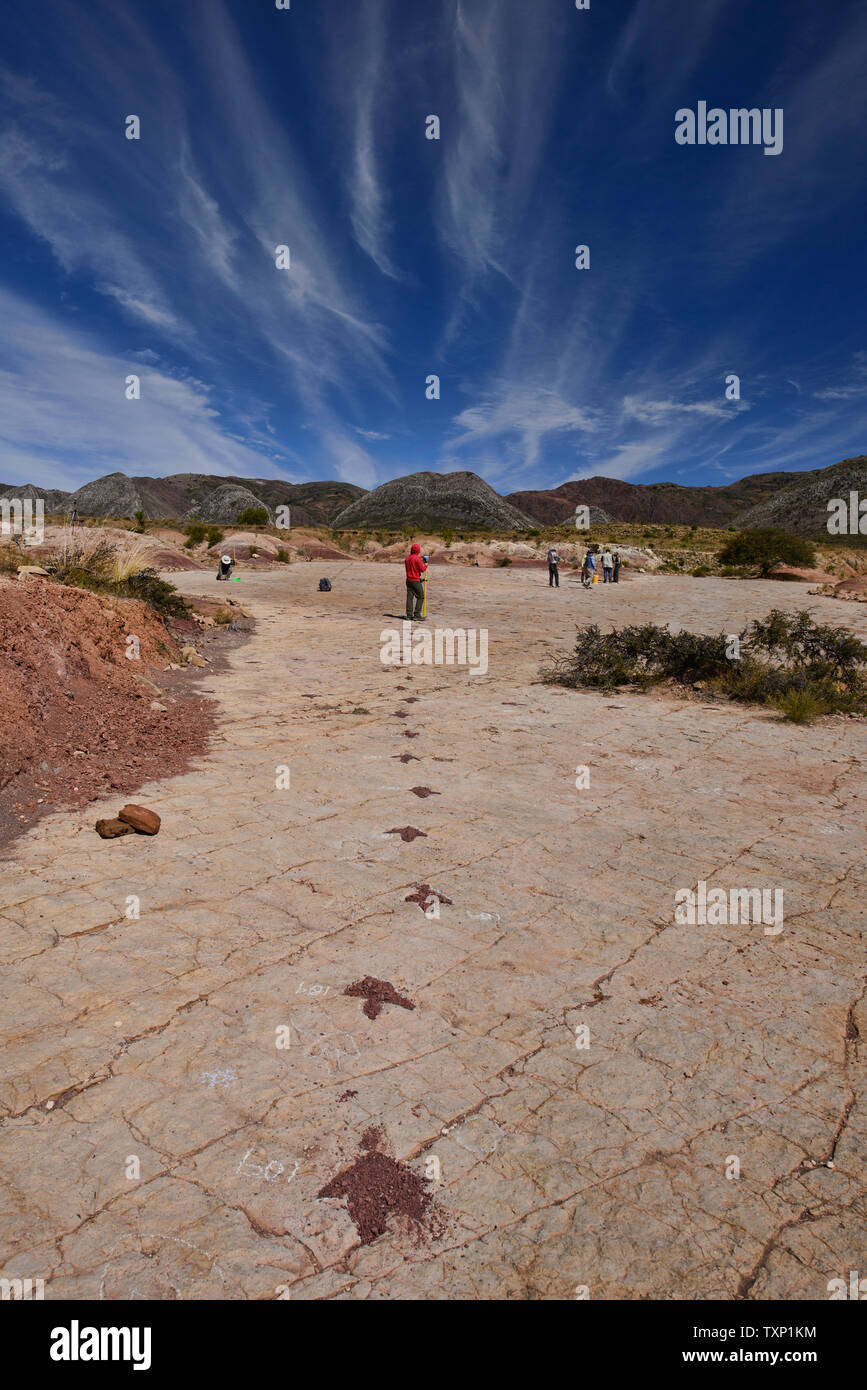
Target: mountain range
x=796, y=502
x=194, y=497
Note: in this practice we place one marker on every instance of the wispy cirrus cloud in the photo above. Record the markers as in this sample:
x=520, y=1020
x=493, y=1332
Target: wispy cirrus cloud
x=42, y=177
x=855, y=387
x=263, y=128
x=238, y=189
x=661, y=412
x=362, y=72
x=526, y=417
x=662, y=48
x=63, y=398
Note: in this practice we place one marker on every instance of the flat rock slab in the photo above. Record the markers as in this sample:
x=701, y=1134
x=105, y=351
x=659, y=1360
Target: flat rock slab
x=588, y=1091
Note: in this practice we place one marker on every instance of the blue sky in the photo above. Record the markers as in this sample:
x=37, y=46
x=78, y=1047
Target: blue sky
x=410, y=257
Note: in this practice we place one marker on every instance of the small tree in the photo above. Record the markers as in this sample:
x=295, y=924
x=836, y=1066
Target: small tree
x=252, y=516
x=139, y=522
x=768, y=547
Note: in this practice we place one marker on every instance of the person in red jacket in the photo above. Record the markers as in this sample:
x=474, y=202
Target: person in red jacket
x=416, y=564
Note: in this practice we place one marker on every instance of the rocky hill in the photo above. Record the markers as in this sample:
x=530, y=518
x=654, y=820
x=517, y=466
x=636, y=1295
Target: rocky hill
x=557, y=507
x=656, y=503
x=795, y=502
x=55, y=500
x=195, y=497
x=430, y=501
x=802, y=505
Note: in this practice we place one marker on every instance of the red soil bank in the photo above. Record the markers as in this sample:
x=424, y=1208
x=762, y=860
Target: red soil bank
x=76, y=723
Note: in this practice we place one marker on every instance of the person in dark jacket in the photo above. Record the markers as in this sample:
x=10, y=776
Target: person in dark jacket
x=553, y=571
x=415, y=567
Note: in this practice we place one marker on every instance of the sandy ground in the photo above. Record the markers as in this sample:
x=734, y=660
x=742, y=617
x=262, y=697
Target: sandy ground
x=708, y=1141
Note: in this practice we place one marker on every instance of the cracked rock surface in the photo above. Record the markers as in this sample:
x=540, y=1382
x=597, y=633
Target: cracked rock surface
x=179, y=1086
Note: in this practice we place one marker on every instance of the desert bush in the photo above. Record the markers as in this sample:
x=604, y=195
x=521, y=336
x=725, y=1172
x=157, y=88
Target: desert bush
x=156, y=592
x=82, y=561
x=99, y=567
x=700, y=572
x=128, y=562
x=223, y=616
x=139, y=522
x=503, y=561
x=448, y=536
x=801, y=706
x=195, y=532
x=10, y=559
x=766, y=548
x=785, y=659
x=282, y=555
x=822, y=652
x=252, y=516
x=215, y=535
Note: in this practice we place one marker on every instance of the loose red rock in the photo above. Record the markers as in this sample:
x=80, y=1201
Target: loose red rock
x=141, y=819
x=110, y=829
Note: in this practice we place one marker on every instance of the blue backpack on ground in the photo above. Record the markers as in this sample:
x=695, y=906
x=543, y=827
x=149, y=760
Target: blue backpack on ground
x=325, y=586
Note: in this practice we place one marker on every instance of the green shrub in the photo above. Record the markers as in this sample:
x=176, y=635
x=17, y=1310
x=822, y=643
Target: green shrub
x=10, y=558
x=156, y=592
x=252, y=516
x=783, y=658
x=99, y=568
x=503, y=561
x=282, y=555
x=643, y=654
x=448, y=536
x=822, y=652
x=195, y=532
x=768, y=547
x=139, y=522
x=224, y=616
x=700, y=572
x=215, y=535
x=82, y=563
x=801, y=706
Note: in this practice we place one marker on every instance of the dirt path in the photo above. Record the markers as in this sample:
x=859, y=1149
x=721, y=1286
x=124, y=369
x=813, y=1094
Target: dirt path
x=157, y=1142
